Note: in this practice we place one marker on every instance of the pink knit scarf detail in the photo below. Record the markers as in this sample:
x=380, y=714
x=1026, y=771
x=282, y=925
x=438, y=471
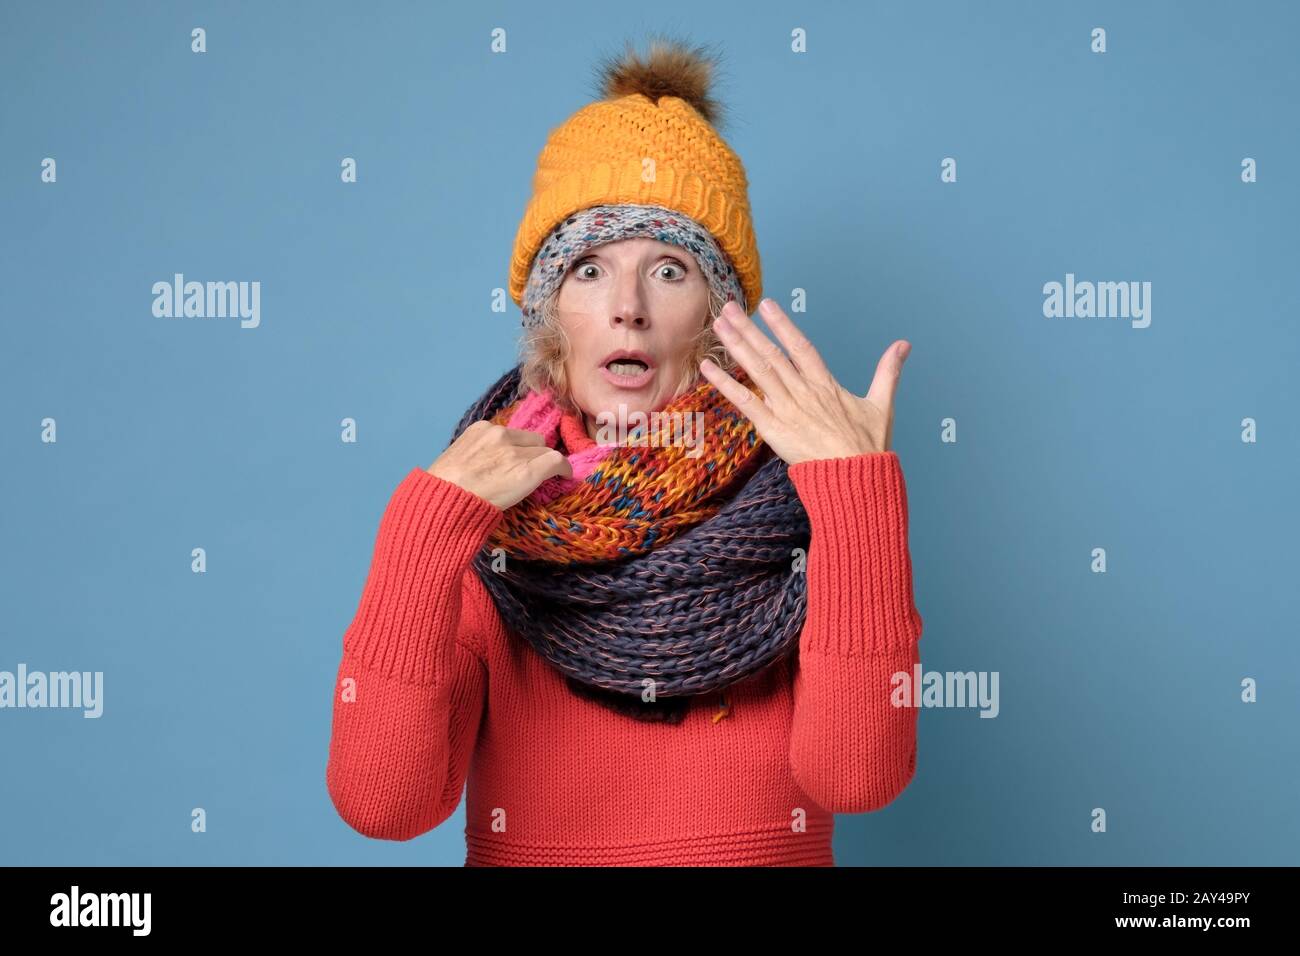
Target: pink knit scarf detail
x=539, y=413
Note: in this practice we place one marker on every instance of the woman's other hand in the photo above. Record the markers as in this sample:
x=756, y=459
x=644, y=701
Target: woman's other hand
x=805, y=413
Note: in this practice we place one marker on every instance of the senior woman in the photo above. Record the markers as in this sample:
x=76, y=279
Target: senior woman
x=638, y=642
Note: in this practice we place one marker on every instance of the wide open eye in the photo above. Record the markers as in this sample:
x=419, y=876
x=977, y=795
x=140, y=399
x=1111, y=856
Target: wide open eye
x=675, y=268
x=585, y=270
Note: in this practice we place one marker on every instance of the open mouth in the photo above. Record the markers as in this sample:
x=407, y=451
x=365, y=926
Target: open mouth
x=630, y=368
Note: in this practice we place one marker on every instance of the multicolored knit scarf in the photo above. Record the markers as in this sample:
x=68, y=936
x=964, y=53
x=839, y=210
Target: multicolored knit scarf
x=661, y=571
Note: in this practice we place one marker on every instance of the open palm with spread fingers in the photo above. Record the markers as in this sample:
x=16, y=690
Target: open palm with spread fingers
x=805, y=413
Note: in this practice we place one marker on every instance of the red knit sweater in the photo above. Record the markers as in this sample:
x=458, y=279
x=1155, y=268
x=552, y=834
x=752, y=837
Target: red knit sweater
x=434, y=693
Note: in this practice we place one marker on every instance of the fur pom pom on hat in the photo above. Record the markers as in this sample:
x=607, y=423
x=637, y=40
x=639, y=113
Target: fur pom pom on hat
x=651, y=140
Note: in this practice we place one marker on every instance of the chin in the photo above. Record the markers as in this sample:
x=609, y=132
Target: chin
x=609, y=400
x=605, y=397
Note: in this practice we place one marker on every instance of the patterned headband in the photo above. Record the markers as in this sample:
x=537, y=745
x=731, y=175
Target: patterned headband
x=597, y=225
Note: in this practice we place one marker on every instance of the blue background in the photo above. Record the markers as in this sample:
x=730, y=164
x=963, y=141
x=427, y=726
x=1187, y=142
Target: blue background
x=1119, y=690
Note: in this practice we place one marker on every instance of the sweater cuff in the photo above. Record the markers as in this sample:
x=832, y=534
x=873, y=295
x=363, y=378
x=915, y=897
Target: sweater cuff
x=859, y=569
x=410, y=607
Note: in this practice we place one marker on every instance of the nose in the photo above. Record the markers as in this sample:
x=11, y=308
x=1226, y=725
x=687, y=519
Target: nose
x=629, y=309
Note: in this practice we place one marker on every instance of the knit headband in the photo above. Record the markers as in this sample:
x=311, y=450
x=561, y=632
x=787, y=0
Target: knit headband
x=597, y=225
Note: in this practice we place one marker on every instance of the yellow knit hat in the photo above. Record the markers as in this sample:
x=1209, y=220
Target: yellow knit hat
x=650, y=141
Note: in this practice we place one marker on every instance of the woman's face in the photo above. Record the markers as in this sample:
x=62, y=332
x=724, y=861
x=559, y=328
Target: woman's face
x=634, y=295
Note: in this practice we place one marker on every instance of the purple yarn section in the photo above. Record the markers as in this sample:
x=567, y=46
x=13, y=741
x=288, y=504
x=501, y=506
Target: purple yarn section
x=711, y=607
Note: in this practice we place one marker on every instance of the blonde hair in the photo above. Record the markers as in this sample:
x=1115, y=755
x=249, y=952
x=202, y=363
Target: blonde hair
x=545, y=347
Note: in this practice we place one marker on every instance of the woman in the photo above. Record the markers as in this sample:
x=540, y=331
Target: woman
x=638, y=641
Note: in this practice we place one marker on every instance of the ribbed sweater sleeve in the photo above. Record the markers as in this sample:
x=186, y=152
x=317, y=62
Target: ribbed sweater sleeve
x=851, y=750
x=410, y=688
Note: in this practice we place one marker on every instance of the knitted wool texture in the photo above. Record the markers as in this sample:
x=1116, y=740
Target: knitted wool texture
x=442, y=718
x=637, y=150
x=627, y=499
x=656, y=569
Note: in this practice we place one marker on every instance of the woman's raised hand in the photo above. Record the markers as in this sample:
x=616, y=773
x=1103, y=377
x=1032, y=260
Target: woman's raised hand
x=499, y=464
x=805, y=413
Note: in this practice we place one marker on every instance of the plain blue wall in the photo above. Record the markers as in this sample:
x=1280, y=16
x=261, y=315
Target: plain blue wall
x=1119, y=690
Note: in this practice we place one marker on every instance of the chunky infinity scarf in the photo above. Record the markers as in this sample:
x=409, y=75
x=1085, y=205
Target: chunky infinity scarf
x=650, y=565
